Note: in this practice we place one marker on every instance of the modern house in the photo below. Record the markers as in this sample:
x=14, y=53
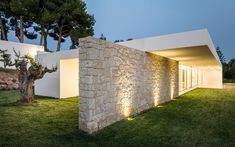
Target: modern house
x=115, y=81
x=199, y=64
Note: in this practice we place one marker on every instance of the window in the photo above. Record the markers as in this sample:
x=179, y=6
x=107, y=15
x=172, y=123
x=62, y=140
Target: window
x=189, y=77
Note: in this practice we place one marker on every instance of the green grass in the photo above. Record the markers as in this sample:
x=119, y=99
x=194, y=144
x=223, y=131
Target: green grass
x=203, y=117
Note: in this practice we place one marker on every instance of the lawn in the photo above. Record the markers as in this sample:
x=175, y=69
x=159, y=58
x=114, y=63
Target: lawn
x=203, y=117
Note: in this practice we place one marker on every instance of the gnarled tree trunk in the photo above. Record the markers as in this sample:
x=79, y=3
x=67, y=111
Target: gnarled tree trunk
x=25, y=85
x=26, y=91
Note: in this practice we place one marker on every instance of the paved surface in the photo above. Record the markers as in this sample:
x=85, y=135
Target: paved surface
x=229, y=85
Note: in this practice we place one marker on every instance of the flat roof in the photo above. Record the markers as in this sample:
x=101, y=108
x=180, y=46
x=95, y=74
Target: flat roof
x=65, y=54
x=194, y=48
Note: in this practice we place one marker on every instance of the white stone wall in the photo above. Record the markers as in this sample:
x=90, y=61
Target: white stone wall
x=117, y=82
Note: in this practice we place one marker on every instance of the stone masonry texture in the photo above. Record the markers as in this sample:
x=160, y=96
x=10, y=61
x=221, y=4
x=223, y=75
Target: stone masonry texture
x=117, y=82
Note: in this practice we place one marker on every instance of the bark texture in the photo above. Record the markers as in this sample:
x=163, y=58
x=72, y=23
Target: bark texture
x=21, y=30
x=60, y=35
x=3, y=29
x=42, y=34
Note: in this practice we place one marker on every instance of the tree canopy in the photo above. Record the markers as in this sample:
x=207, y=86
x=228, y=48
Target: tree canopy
x=58, y=19
x=228, y=67
x=221, y=55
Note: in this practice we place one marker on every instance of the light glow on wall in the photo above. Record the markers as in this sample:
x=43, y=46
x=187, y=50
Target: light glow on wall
x=156, y=102
x=130, y=118
x=69, y=79
x=126, y=110
x=172, y=92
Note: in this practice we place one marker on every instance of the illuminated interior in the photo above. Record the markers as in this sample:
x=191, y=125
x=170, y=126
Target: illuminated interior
x=199, y=63
x=197, y=67
x=189, y=77
x=69, y=79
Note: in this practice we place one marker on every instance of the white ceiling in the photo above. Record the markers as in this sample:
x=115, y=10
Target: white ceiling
x=199, y=56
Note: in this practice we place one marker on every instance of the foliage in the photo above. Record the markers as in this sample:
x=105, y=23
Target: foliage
x=18, y=12
x=203, y=117
x=4, y=8
x=102, y=37
x=220, y=54
x=58, y=18
x=73, y=21
x=229, y=69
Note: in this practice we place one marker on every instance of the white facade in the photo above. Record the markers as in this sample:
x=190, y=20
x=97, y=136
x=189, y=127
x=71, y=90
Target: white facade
x=24, y=49
x=64, y=82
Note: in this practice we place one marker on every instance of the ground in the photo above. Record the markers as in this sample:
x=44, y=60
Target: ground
x=202, y=117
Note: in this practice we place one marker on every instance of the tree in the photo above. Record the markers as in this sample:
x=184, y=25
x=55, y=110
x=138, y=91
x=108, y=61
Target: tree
x=220, y=54
x=82, y=29
x=28, y=71
x=59, y=19
x=4, y=11
x=21, y=18
x=3, y=28
x=102, y=37
x=73, y=21
x=18, y=12
x=231, y=68
x=44, y=15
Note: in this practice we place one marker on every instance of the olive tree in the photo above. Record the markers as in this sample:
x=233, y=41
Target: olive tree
x=28, y=69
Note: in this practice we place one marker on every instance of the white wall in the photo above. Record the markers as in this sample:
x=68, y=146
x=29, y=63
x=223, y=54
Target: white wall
x=49, y=85
x=24, y=49
x=69, y=79
x=212, y=78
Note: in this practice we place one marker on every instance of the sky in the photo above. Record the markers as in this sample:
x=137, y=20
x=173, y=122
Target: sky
x=123, y=19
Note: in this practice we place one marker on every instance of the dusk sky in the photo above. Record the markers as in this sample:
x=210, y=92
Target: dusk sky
x=123, y=19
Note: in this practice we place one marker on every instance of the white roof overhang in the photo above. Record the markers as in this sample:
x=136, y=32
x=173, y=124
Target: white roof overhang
x=194, y=48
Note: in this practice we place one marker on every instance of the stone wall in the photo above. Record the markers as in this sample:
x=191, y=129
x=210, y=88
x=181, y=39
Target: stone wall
x=117, y=82
x=8, y=80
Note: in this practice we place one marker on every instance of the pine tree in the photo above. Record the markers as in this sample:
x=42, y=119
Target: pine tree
x=4, y=15
x=220, y=54
x=73, y=21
